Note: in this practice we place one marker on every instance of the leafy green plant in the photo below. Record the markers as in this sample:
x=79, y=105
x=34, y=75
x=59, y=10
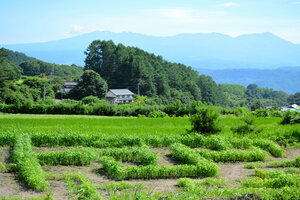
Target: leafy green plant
x=157, y=114
x=2, y=167
x=290, y=117
x=27, y=165
x=205, y=121
x=232, y=155
x=80, y=188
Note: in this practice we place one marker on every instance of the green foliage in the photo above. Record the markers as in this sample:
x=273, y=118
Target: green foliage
x=246, y=128
x=272, y=179
x=91, y=100
x=295, y=98
x=28, y=167
x=124, y=67
x=234, y=155
x=189, y=156
x=186, y=183
x=7, y=75
x=275, y=164
x=2, y=167
x=157, y=114
x=211, y=93
x=291, y=117
x=79, y=187
x=85, y=156
x=205, y=121
x=76, y=156
x=91, y=84
x=15, y=56
x=114, y=169
x=38, y=67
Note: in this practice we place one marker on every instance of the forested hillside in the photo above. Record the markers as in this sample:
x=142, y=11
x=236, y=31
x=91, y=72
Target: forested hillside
x=30, y=66
x=131, y=67
x=253, y=96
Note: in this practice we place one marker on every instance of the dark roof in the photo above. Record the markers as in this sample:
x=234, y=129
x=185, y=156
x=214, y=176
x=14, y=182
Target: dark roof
x=121, y=92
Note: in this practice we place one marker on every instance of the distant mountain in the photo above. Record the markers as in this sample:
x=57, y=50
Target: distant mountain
x=211, y=51
x=286, y=79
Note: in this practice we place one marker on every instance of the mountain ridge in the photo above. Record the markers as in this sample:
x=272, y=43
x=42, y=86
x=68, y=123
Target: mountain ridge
x=199, y=50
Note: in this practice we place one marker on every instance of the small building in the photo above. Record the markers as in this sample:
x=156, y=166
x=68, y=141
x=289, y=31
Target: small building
x=119, y=96
x=293, y=106
x=68, y=86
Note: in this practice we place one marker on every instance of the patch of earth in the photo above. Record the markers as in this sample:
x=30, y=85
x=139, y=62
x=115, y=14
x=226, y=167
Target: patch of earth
x=4, y=154
x=290, y=154
x=49, y=149
x=9, y=186
x=164, y=156
x=234, y=173
x=92, y=172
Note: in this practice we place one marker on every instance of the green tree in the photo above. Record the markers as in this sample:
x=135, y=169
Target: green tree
x=205, y=121
x=91, y=84
x=7, y=75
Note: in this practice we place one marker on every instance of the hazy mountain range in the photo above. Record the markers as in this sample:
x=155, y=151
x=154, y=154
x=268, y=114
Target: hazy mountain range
x=286, y=79
x=210, y=51
x=251, y=58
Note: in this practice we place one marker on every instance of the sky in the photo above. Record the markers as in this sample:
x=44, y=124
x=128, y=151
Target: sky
x=27, y=21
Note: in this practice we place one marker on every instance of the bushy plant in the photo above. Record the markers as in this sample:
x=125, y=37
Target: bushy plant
x=247, y=127
x=157, y=114
x=205, y=121
x=290, y=117
x=90, y=100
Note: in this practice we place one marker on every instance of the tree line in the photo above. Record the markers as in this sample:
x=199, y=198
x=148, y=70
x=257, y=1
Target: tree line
x=108, y=65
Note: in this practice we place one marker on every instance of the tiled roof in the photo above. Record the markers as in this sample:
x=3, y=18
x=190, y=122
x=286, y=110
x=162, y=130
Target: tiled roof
x=121, y=92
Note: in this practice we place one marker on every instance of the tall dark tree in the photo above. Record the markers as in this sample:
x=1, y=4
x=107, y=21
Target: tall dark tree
x=210, y=91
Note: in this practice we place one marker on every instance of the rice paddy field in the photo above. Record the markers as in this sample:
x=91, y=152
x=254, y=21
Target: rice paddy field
x=95, y=157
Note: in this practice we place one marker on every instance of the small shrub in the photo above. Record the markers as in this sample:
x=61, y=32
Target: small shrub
x=90, y=100
x=186, y=183
x=157, y=114
x=205, y=121
x=246, y=128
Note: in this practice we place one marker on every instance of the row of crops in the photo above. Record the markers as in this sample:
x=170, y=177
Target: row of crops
x=213, y=142
x=191, y=161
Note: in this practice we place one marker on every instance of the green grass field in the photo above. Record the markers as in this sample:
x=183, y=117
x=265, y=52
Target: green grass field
x=95, y=157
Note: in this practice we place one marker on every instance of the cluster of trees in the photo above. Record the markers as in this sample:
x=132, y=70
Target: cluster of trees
x=29, y=66
x=25, y=78
x=133, y=68
x=254, y=97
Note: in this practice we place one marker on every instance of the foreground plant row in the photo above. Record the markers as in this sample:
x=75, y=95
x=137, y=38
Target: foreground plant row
x=111, y=152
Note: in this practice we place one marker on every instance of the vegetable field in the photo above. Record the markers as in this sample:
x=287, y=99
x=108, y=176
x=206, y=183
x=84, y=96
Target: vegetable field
x=92, y=157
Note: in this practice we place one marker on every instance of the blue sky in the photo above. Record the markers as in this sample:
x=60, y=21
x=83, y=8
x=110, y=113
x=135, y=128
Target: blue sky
x=26, y=21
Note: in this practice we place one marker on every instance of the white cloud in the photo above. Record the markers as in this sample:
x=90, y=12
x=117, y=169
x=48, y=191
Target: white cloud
x=228, y=4
x=78, y=28
x=186, y=15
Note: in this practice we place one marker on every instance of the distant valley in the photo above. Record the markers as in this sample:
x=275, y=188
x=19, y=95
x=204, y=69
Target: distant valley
x=285, y=78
